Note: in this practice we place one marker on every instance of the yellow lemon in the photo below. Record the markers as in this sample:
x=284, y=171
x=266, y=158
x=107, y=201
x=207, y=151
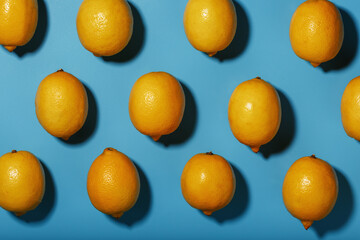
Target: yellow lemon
x=22, y=182
x=310, y=189
x=210, y=25
x=254, y=113
x=350, y=109
x=104, y=26
x=61, y=104
x=113, y=183
x=18, y=21
x=316, y=31
x=208, y=182
x=156, y=104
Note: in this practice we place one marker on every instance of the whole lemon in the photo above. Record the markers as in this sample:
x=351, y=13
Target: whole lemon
x=316, y=31
x=18, y=21
x=22, y=182
x=156, y=104
x=254, y=113
x=208, y=182
x=113, y=183
x=350, y=109
x=310, y=189
x=210, y=25
x=104, y=26
x=61, y=104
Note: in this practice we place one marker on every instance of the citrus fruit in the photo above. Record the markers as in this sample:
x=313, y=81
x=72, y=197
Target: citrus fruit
x=61, y=104
x=18, y=21
x=350, y=109
x=310, y=189
x=22, y=182
x=208, y=182
x=210, y=25
x=254, y=113
x=316, y=31
x=104, y=27
x=156, y=104
x=113, y=183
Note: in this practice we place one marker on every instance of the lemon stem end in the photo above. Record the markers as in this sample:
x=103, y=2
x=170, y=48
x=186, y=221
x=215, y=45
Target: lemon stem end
x=156, y=138
x=315, y=64
x=10, y=48
x=211, y=54
x=117, y=215
x=255, y=149
x=207, y=213
x=307, y=224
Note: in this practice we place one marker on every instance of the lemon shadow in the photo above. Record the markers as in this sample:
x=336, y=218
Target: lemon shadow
x=241, y=38
x=340, y=216
x=45, y=209
x=136, y=42
x=287, y=129
x=349, y=47
x=238, y=205
x=187, y=126
x=40, y=33
x=142, y=207
x=90, y=124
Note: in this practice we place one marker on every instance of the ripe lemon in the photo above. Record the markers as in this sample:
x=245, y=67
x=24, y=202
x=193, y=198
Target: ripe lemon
x=156, y=104
x=254, y=113
x=61, y=104
x=208, y=182
x=350, y=109
x=18, y=21
x=210, y=25
x=310, y=189
x=104, y=26
x=113, y=183
x=316, y=31
x=22, y=182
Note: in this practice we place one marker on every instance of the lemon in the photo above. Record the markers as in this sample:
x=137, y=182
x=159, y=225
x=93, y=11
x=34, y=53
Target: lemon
x=210, y=25
x=316, y=31
x=113, y=183
x=310, y=189
x=254, y=113
x=156, y=104
x=18, y=21
x=104, y=27
x=208, y=182
x=350, y=109
x=61, y=104
x=22, y=182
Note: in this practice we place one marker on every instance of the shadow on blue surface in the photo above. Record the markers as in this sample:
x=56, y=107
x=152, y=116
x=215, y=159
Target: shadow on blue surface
x=136, y=42
x=349, y=48
x=239, y=203
x=40, y=32
x=342, y=211
x=188, y=123
x=42, y=212
x=287, y=129
x=141, y=208
x=241, y=38
x=90, y=124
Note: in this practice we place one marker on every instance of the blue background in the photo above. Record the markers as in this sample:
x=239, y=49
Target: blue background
x=311, y=124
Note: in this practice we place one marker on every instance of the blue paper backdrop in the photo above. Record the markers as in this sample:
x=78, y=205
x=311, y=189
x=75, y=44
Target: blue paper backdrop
x=311, y=124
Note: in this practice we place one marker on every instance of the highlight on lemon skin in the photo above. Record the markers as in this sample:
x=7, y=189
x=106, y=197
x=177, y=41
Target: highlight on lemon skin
x=61, y=104
x=18, y=22
x=254, y=113
x=310, y=190
x=104, y=27
x=210, y=25
x=208, y=182
x=113, y=183
x=316, y=31
x=156, y=104
x=22, y=182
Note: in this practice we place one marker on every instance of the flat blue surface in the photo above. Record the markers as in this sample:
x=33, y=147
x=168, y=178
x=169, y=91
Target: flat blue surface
x=311, y=124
